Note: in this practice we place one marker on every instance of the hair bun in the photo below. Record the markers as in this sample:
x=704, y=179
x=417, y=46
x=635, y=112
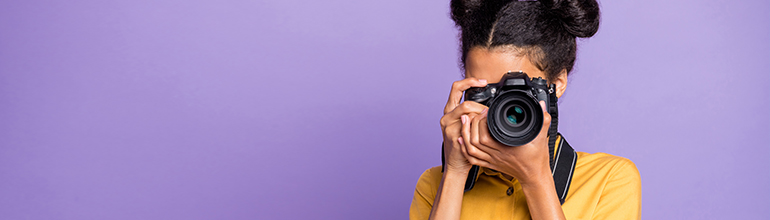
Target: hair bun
x=579, y=17
x=475, y=13
x=461, y=9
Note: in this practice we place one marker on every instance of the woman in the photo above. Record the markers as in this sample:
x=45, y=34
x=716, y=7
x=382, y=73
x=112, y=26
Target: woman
x=539, y=39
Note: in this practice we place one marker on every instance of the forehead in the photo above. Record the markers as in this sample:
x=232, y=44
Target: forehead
x=492, y=64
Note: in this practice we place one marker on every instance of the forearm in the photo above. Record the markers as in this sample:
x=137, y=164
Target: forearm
x=449, y=197
x=542, y=199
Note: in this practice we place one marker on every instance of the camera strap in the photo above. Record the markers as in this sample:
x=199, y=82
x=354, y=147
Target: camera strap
x=563, y=157
x=563, y=167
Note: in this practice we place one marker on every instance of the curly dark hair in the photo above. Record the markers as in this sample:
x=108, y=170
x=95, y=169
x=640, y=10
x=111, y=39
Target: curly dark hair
x=544, y=31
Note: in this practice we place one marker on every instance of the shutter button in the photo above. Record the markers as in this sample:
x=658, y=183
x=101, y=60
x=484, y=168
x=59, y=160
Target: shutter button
x=510, y=191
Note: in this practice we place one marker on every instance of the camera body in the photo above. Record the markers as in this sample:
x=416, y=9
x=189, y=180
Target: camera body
x=515, y=117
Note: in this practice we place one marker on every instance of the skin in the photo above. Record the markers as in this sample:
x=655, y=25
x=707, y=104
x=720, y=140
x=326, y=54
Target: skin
x=468, y=142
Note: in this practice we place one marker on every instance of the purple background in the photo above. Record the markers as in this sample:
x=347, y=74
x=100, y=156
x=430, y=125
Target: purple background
x=329, y=109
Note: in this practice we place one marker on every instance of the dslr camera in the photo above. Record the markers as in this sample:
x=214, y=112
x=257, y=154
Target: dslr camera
x=515, y=117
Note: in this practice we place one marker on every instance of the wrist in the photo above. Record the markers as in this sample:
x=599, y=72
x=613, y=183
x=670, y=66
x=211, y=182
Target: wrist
x=542, y=179
x=456, y=172
x=542, y=199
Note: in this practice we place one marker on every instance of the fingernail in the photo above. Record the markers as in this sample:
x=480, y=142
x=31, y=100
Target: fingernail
x=460, y=139
x=464, y=118
x=484, y=81
x=485, y=111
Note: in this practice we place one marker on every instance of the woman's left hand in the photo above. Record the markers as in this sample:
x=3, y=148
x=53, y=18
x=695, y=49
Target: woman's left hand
x=528, y=163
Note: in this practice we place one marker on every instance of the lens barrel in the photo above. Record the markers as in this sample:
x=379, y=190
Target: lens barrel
x=515, y=117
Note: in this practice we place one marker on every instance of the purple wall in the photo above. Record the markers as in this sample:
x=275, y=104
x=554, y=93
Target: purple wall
x=329, y=110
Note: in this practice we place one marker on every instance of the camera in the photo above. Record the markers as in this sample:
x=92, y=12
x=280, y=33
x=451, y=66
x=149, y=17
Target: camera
x=515, y=117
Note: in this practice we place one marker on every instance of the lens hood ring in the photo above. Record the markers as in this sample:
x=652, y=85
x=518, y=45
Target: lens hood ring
x=514, y=135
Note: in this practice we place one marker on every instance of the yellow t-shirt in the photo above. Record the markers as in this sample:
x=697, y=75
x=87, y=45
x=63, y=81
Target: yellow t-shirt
x=603, y=187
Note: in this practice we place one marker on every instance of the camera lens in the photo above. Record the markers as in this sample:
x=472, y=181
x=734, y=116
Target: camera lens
x=515, y=115
x=514, y=118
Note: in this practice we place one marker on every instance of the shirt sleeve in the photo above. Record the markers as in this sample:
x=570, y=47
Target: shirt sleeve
x=425, y=193
x=621, y=197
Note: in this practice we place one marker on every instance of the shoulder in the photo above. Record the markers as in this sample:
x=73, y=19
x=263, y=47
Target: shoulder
x=425, y=193
x=606, y=163
x=428, y=183
x=605, y=173
x=607, y=184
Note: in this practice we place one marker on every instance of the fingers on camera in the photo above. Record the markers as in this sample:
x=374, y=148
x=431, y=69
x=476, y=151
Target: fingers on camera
x=458, y=87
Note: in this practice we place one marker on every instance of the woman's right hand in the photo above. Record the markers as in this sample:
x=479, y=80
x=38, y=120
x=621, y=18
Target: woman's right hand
x=451, y=123
x=449, y=196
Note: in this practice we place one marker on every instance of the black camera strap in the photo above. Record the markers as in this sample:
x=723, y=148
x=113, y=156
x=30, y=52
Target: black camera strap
x=563, y=168
x=563, y=160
